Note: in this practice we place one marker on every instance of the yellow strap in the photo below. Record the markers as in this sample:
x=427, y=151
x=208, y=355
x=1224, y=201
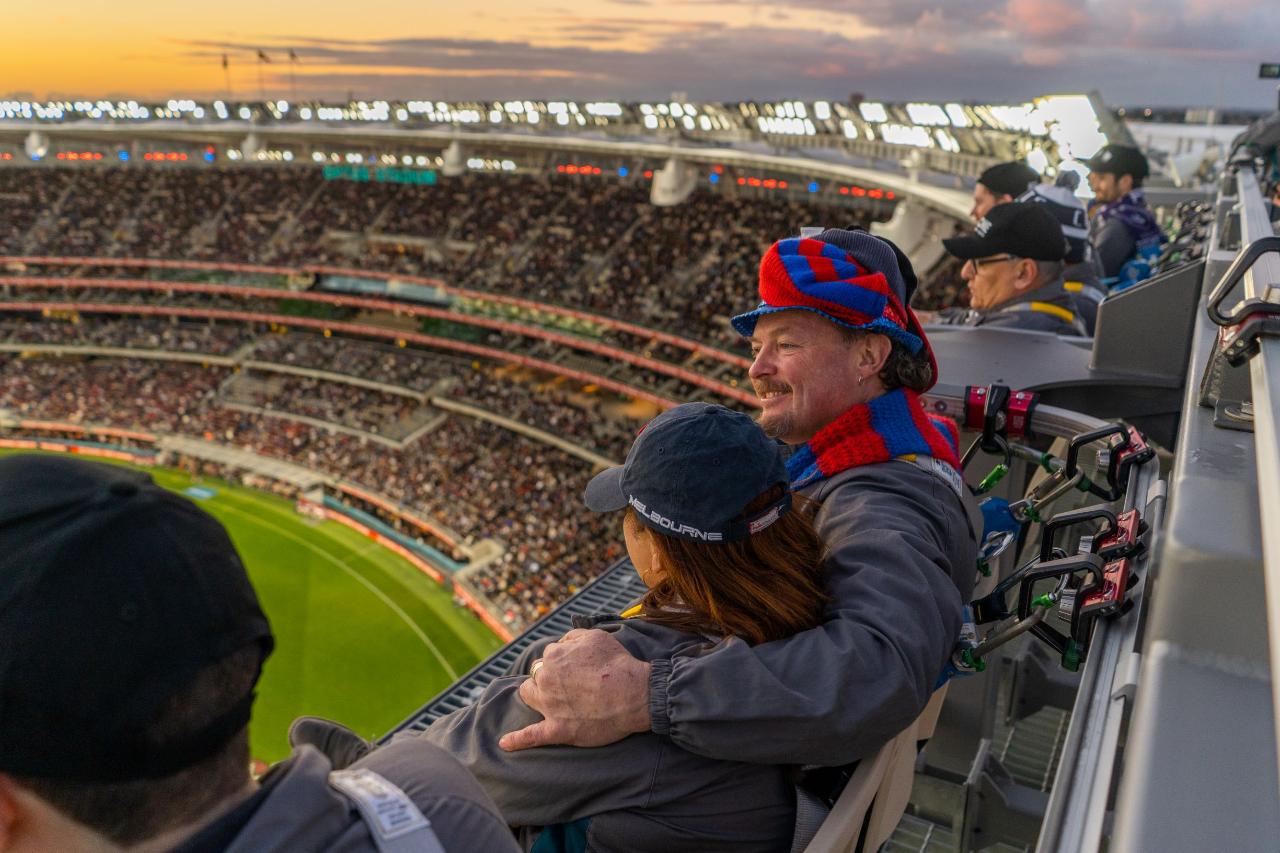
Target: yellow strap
x=1061, y=313
x=1073, y=286
x=633, y=611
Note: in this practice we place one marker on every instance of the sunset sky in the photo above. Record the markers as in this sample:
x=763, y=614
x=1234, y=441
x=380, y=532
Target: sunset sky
x=1201, y=52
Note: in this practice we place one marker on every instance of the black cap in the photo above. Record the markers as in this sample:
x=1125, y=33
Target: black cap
x=114, y=595
x=1022, y=228
x=1011, y=179
x=1120, y=160
x=691, y=474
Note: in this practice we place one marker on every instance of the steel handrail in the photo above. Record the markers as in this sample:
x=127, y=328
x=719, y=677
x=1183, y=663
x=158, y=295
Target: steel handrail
x=1262, y=284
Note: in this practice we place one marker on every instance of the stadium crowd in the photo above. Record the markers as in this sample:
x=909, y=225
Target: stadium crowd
x=154, y=333
x=393, y=366
x=469, y=475
x=576, y=417
x=380, y=413
x=590, y=243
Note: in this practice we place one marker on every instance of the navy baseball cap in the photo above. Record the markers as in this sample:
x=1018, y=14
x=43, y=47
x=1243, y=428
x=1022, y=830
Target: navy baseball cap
x=1025, y=229
x=1120, y=160
x=114, y=595
x=691, y=474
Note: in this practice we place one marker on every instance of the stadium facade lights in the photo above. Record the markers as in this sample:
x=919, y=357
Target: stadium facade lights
x=873, y=112
x=246, y=113
x=958, y=117
x=1038, y=160
x=1072, y=125
x=902, y=134
x=821, y=110
x=929, y=115
x=787, y=126
x=946, y=141
x=762, y=183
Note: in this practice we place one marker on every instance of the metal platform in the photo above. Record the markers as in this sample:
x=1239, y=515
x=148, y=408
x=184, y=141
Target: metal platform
x=615, y=590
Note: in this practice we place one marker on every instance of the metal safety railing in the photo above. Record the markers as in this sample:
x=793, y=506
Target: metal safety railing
x=1253, y=329
x=1201, y=764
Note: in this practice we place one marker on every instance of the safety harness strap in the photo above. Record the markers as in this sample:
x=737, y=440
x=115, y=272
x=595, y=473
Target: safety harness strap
x=394, y=821
x=1052, y=310
x=953, y=481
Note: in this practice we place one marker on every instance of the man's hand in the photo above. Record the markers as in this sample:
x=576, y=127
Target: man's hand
x=590, y=691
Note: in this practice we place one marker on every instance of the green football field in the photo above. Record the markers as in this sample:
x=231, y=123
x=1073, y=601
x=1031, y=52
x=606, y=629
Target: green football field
x=362, y=636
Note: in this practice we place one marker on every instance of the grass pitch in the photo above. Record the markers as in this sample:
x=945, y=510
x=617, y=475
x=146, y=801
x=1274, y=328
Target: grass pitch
x=362, y=636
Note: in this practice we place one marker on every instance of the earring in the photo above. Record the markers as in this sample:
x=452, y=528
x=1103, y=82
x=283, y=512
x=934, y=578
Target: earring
x=860, y=378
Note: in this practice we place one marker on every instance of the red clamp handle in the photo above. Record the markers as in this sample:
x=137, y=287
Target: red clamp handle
x=975, y=407
x=1108, y=597
x=1022, y=405
x=1123, y=539
x=984, y=405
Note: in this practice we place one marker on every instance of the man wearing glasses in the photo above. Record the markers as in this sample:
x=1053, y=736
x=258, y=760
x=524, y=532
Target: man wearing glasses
x=1013, y=266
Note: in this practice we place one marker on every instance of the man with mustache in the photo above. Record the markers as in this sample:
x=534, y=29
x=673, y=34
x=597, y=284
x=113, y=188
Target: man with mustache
x=839, y=363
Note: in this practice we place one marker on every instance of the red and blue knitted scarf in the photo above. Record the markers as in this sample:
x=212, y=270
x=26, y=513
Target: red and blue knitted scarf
x=890, y=426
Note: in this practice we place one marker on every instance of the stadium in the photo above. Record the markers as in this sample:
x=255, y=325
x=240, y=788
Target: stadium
x=387, y=344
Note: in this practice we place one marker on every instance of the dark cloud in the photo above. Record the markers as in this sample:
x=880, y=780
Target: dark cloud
x=973, y=50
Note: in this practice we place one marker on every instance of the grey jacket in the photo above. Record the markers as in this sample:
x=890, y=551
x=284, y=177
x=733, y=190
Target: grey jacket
x=643, y=793
x=902, y=560
x=1047, y=308
x=297, y=810
x=1081, y=280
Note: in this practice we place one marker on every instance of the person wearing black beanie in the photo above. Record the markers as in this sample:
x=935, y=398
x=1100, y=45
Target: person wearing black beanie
x=1000, y=184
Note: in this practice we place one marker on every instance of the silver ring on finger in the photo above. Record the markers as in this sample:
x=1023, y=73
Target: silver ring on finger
x=534, y=667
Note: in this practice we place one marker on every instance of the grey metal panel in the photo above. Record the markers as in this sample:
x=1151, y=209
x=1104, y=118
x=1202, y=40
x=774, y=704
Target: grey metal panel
x=1059, y=369
x=1201, y=771
x=1147, y=328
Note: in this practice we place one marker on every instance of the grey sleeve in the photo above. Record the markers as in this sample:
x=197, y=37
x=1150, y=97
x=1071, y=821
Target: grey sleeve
x=1031, y=321
x=461, y=813
x=957, y=316
x=835, y=693
x=551, y=784
x=1113, y=245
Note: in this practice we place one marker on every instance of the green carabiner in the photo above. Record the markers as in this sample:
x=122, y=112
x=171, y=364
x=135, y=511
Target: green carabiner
x=989, y=482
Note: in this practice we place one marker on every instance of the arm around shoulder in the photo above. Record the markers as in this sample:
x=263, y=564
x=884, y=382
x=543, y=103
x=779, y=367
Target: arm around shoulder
x=835, y=693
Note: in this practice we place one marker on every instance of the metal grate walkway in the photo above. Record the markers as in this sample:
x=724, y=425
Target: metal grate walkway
x=612, y=592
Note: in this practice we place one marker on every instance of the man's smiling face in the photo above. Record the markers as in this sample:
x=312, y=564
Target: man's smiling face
x=804, y=372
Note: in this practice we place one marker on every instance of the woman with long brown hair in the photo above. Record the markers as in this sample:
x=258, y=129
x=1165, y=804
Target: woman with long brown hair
x=729, y=556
